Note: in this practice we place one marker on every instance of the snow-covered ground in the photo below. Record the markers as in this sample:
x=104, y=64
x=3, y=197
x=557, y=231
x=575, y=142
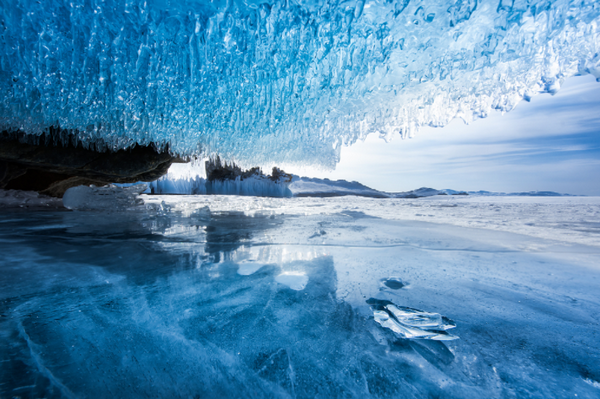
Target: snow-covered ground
x=225, y=296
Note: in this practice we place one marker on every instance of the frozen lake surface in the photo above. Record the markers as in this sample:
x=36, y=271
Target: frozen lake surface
x=214, y=296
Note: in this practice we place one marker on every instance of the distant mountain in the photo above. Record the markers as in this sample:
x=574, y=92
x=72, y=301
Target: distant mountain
x=425, y=192
x=520, y=194
x=314, y=187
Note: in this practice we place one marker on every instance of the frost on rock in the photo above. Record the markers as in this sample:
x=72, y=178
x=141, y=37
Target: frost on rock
x=411, y=323
x=265, y=82
x=109, y=197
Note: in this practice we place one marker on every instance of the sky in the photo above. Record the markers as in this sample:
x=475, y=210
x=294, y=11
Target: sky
x=551, y=143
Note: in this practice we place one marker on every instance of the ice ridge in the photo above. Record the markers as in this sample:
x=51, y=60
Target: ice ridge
x=271, y=81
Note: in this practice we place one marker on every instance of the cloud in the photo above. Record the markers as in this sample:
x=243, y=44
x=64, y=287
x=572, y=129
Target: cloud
x=550, y=143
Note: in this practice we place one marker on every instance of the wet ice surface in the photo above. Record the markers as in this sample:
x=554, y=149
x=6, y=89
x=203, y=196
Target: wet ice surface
x=246, y=297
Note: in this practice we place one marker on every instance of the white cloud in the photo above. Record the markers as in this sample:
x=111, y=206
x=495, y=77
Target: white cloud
x=517, y=151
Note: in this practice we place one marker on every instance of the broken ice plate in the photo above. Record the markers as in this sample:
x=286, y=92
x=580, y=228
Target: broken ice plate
x=411, y=323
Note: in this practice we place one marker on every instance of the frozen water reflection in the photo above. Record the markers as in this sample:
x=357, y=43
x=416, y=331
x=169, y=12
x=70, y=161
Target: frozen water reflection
x=236, y=297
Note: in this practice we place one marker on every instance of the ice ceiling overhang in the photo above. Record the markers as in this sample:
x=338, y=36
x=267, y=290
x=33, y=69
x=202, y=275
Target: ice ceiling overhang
x=272, y=81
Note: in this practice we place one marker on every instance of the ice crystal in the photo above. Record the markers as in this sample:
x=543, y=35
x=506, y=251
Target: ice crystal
x=272, y=81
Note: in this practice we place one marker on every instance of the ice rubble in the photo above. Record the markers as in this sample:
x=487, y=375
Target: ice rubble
x=108, y=198
x=27, y=199
x=279, y=80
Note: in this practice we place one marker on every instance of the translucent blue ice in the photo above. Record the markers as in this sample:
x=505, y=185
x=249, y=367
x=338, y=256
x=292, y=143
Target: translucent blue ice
x=411, y=323
x=220, y=297
x=271, y=81
x=253, y=186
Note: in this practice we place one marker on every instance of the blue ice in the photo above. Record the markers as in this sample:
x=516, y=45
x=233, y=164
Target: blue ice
x=236, y=297
x=262, y=82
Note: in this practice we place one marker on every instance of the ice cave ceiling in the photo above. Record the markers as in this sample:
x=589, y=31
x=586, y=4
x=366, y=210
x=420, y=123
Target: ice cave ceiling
x=272, y=81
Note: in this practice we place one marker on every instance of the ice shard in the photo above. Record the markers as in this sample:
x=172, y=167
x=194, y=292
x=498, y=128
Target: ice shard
x=411, y=323
x=271, y=81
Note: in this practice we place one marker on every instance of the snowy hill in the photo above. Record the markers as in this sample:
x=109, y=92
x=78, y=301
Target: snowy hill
x=520, y=194
x=314, y=187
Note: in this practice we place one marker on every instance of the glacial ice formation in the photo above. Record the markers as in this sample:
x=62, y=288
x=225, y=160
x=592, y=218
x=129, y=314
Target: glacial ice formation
x=268, y=81
x=258, y=185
